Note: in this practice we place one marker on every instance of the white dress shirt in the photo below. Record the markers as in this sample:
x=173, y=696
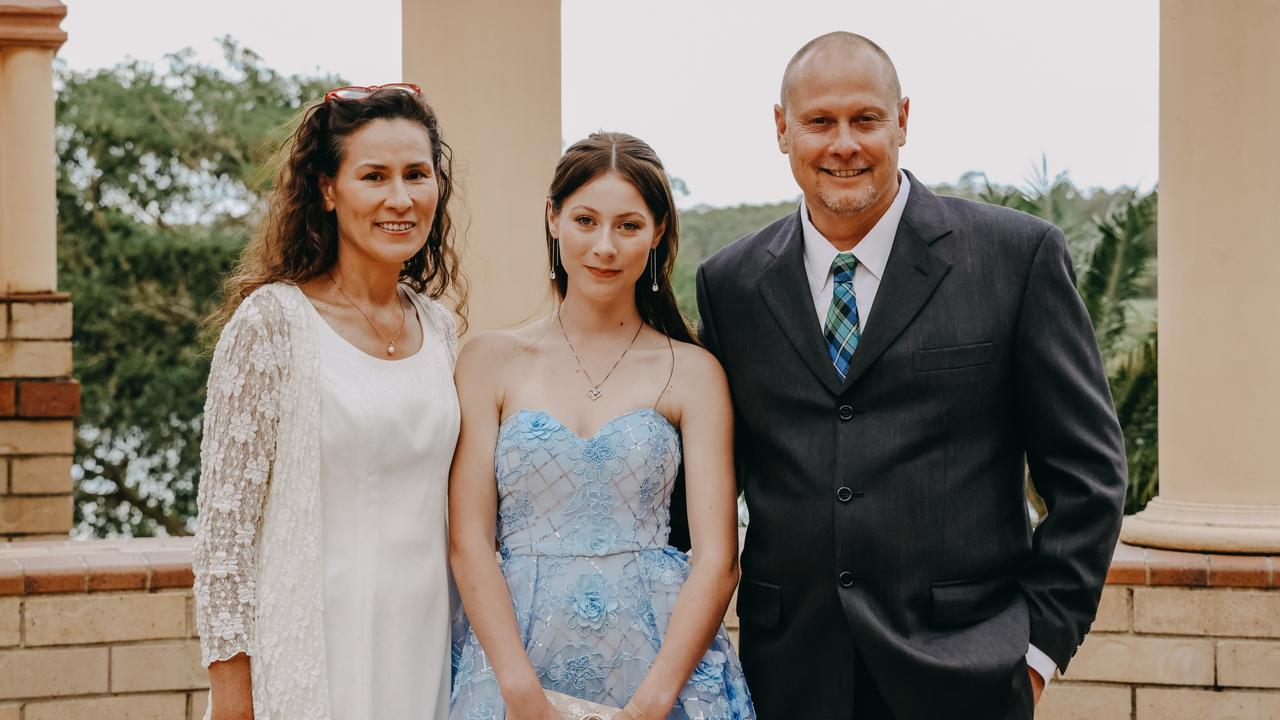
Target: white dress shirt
x=872, y=253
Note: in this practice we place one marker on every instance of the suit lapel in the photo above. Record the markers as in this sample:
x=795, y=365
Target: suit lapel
x=785, y=288
x=910, y=277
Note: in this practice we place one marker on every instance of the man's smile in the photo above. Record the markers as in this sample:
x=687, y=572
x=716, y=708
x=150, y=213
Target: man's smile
x=845, y=173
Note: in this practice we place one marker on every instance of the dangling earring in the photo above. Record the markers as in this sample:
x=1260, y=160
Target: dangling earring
x=555, y=256
x=653, y=262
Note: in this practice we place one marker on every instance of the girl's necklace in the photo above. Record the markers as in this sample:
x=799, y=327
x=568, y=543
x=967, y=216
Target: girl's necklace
x=594, y=392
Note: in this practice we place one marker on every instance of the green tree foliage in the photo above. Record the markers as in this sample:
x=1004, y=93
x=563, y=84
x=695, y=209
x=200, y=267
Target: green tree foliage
x=704, y=230
x=161, y=170
x=1117, y=286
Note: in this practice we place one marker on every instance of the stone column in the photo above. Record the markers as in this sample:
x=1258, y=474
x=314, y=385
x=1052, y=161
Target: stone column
x=491, y=69
x=38, y=398
x=1219, y=276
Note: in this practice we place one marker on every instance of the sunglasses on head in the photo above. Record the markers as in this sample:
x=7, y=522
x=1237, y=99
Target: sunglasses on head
x=360, y=92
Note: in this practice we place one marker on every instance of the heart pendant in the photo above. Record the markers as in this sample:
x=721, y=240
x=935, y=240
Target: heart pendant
x=595, y=393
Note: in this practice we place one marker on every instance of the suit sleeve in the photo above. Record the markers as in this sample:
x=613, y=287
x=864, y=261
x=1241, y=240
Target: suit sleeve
x=710, y=339
x=1075, y=452
x=706, y=320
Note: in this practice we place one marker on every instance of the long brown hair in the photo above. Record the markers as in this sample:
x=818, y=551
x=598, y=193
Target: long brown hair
x=297, y=238
x=633, y=159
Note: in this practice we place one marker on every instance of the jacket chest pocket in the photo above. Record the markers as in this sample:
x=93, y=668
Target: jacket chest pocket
x=955, y=357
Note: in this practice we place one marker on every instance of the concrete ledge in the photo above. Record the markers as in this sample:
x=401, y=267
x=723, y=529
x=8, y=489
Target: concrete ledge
x=32, y=23
x=1133, y=565
x=1178, y=635
x=75, y=566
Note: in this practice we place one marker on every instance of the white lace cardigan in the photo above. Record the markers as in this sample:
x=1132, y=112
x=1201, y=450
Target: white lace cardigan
x=256, y=554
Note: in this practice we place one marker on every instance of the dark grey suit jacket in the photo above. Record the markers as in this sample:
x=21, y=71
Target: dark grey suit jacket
x=887, y=513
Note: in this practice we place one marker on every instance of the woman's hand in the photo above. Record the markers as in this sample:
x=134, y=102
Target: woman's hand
x=530, y=705
x=638, y=709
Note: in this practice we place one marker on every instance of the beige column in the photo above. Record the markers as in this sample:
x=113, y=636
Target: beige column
x=29, y=36
x=1219, y=278
x=491, y=69
x=38, y=398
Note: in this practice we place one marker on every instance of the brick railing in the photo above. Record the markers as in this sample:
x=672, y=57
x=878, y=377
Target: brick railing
x=38, y=401
x=1179, y=636
x=99, y=630
x=104, y=630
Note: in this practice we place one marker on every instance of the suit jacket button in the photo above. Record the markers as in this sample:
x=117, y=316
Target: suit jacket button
x=844, y=494
x=846, y=579
x=846, y=412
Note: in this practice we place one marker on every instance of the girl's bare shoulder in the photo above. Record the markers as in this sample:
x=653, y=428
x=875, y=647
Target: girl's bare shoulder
x=695, y=363
x=495, y=350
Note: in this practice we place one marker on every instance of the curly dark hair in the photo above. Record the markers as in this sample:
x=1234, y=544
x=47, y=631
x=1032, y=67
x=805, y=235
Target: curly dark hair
x=297, y=239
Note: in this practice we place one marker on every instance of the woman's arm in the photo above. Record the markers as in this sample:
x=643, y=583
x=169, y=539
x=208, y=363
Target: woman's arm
x=473, y=512
x=706, y=428
x=236, y=453
x=231, y=689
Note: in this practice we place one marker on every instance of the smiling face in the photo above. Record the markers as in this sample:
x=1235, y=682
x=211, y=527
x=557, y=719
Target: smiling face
x=841, y=129
x=384, y=191
x=605, y=231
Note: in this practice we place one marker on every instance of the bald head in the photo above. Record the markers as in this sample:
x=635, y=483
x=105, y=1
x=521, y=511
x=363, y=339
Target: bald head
x=838, y=41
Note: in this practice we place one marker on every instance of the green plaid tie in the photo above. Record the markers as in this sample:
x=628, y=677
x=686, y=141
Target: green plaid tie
x=841, y=329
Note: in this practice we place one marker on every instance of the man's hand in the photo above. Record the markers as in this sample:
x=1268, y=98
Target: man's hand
x=1037, y=685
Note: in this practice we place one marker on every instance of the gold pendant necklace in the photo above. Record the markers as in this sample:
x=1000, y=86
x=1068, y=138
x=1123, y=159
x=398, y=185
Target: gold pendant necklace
x=594, y=392
x=391, y=342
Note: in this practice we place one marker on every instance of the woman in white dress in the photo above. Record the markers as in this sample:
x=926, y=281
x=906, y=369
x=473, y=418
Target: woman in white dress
x=321, y=579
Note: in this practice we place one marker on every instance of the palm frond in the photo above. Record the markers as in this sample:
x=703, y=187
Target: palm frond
x=1112, y=277
x=1135, y=388
x=1010, y=197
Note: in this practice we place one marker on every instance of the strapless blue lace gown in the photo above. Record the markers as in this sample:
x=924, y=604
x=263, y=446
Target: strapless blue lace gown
x=582, y=530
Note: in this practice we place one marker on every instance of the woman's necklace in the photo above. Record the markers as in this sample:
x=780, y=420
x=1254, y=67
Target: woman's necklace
x=391, y=341
x=595, y=393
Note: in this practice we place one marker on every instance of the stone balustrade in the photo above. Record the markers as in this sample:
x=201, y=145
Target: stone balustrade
x=1179, y=636
x=104, y=630
x=99, y=630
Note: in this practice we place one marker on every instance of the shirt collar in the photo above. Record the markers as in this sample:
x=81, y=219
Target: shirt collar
x=872, y=251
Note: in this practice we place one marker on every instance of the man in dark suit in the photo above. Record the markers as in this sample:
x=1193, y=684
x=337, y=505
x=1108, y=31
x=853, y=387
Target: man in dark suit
x=893, y=358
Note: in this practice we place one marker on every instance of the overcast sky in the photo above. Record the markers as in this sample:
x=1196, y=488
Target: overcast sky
x=994, y=84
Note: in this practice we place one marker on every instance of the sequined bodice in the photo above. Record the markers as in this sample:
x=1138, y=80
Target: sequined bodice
x=562, y=494
x=582, y=527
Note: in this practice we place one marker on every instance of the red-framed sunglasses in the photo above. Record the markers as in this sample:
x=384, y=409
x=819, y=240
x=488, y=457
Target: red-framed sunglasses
x=360, y=92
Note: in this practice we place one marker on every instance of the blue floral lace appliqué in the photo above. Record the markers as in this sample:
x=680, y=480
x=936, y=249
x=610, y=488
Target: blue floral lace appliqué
x=576, y=670
x=592, y=605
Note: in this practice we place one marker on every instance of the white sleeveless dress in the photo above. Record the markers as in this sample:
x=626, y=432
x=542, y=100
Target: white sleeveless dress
x=387, y=434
